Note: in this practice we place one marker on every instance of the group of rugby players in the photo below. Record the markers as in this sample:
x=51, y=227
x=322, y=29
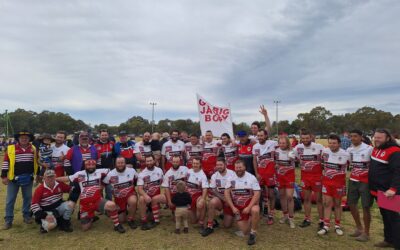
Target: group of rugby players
x=220, y=183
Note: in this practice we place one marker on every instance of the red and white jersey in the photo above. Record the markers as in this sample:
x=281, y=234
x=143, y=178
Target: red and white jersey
x=284, y=164
x=360, y=159
x=196, y=181
x=90, y=184
x=192, y=152
x=264, y=154
x=172, y=177
x=171, y=149
x=123, y=183
x=57, y=154
x=231, y=154
x=335, y=165
x=310, y=159
x=211, y=150
x=48, y=198
x=151, y=180
x=144, y=150
x=218, y=181
x=242, y=189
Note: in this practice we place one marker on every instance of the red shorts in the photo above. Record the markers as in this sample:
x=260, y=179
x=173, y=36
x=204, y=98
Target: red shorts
x=122, y=203
x=195, y=197
x=311, y=183
x=334, y=190
x=268, y=180
x=285, y=181
x=87, y=209
x=208, y=173
x=59, y=170
x=209, y=168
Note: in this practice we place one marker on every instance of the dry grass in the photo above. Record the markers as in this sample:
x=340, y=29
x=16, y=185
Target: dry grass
x=102, y=236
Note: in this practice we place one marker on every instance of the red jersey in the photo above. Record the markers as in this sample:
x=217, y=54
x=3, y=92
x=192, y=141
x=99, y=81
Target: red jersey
x=193, y=151
x=264, y=154
x=171, y=149
x=210, y=155
x=151, y=181
x=310, y=159
x=46, y=198
x=231, y=155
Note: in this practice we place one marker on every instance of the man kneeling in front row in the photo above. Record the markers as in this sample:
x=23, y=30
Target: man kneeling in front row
x=48, y=206
x=90, y=183
x=242, y=193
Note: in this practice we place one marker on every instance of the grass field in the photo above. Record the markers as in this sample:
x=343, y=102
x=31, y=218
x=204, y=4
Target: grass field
x=102, y=236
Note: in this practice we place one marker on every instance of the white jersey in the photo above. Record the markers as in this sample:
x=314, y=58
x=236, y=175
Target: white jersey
x=151, y=180
x=242, y=189
x=196, y=181
x=172, y=177
x=264, y=153
x=171, y=149
x=211, y=149
x=57, y=153
x=218, y=181
x=310, y=158
x=360, y=159
x=335, y=165
x=144, y=150
x=90, y=184
x=253, y=138
x=192, y=152
x=284, y=164
x=123, y=183
x=230, y=153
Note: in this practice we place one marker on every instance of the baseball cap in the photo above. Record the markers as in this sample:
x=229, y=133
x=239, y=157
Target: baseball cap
x=123, y=132
x=49, y=173
x=242, y=133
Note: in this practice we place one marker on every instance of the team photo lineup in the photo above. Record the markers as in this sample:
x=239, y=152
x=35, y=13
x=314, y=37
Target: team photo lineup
x=208, y=182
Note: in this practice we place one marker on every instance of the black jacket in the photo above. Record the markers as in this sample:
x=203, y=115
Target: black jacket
x=384, y=171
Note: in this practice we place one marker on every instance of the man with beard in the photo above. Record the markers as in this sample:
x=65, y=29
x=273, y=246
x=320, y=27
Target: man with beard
x=242, y=193
x=143, y=149
x=217, y=202
x=171, y=148
x=197, y=186
x=264, y=164
x=60, y=150
x=335, y=161
x=384, y=178
x=309, y=155
x=90, y=182
x=126, y=149
x=211, y=150
x=184, y=136
x=149, y=187
x=229, y=151
x=122, y=180
x=256, y=126
x=172, y=177
x=245, y=151
x=193, y=149
x=360, y=160
x=80, y=153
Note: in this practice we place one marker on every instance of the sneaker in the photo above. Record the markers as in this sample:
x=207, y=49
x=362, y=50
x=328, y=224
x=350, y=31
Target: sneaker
x=185, y=230
x=119, y=228
x=146, y=226
x=363, y=238
x=291, y=224
x=320, y=225
x=270, y=220
x=323, y=231
x=207, y=231
x=215, y=224
x=383, y=244
x=7, y=225
x=95, y=218
x=252, y=239
x=28, y=220
x=356, y=233
x=132, y=224
x=153, y=224
x=239, y=233
x=177, y=231
x=339, y=231
x=305, y=223
x=284, y=220
x=42, y=230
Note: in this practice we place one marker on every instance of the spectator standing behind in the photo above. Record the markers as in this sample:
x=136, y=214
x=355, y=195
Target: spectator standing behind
x=345, y=140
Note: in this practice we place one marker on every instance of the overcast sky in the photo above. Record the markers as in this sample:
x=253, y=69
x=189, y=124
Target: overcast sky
x=103, y=61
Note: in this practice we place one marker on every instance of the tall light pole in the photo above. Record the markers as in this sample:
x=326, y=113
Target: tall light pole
x=277, y=126
x=152, y=115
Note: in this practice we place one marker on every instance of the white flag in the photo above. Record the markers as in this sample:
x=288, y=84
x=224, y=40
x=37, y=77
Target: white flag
x=216, y=119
